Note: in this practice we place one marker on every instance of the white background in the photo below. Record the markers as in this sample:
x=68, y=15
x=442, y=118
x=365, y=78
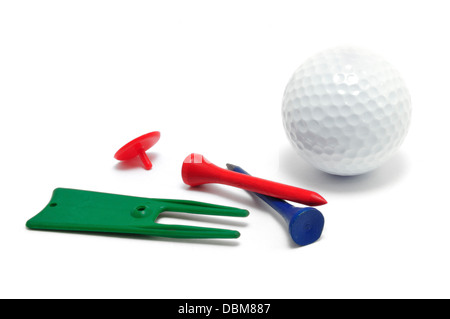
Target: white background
x=78, y=79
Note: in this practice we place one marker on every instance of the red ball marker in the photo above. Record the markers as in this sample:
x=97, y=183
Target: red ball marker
x=138, y=147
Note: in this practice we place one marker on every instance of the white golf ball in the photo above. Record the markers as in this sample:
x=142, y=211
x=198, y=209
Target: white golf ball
x=346, y=110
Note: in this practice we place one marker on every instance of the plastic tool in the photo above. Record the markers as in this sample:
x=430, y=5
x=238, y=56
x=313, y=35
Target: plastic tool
x=197, y=170
x=305, y=224
x=138, y=147
x=79, y=210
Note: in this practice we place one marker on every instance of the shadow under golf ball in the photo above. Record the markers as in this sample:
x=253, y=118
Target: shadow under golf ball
x=308, y=176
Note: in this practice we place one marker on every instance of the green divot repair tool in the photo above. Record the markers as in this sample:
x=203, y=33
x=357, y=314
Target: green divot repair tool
x=80, y=210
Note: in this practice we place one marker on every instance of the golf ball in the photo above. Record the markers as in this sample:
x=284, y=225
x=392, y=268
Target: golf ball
x=346, y=110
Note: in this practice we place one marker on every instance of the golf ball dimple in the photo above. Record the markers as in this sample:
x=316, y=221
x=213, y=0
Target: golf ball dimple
x=346, y=110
